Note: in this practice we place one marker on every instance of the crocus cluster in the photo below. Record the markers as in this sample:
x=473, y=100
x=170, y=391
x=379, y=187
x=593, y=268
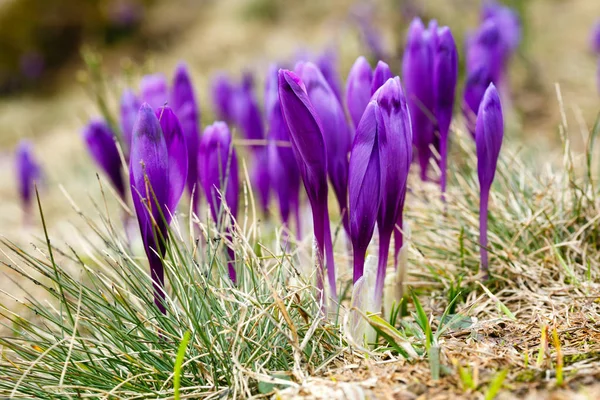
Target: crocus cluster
x=488, y=141
x=430, y=72
x=489, y=50
x=28, y=173
x=379, y=165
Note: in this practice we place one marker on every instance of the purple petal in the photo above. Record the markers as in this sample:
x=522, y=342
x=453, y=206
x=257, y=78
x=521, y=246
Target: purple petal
x=182, y=94
x=445, y=77
x=335, y=131
x=149, y=177
x=364, y=186
x=28, y=172
x=595, y=38
x=129, y=107
x=380, y=76
x=475, y=86
x=154, y=90
x=358, y=89
x=100, y=141
x=327, y=63
x=178, y=157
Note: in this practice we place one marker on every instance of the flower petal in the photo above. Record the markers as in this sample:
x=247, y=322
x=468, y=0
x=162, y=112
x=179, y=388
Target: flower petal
x=358, y=89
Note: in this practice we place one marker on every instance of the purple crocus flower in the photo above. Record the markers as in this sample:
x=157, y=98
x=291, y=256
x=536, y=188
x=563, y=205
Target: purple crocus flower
x=219, y=171
x=363, y=15
x=222, y=93
x=308, y=144
x=358, y=89
x=379, y=165
x=100, y=141
x=485, y=47
x=595, y=38
x=445, y=75
x=157, y=174
x=186, y=107
x=327, y=63
x=336, y=132
x=509, y=25
x=129, y=107
x=417, y=70
x=28, y=172
x=154, y=90
x=283, y=169
x=488, y=141
x=380, y=76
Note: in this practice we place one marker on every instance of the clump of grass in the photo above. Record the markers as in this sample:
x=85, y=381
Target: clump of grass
x=100, y=335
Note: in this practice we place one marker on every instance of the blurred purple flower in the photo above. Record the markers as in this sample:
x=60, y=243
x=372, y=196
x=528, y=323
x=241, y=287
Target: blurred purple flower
x=283, y=169
x=509, y=25
x=28, y=172
x=488, y=141
x=444, y=85
x=475, y=86
x=417, y=71
x=380, y=76
x=328, y=64
x=358, y=89
x=308, y=144
x=101, y=143
x=129, y=108
x=336, y=133
x=222, y=93
x=186, y=107
x=219, y=171
x=157, y=174
x=154, y=90
x=125, y=13
x=363, y=15
x=32, y=64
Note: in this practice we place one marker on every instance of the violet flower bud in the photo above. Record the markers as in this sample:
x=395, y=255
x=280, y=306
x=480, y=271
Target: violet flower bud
x=154, y=90
x=488, y=141
x=308, y=144
x=485, y=47
x=380, y=76
x=336, y=133
x=358, y=89
x=327, y=63
x=157, y=174
x=284, y=174
x=187, y=109
x=417, y=70
x=444, y=82
x=129, y=108
x=28, y=172
x=100, y=141
x=509, y=25
x=222, y=93
x=219, y=171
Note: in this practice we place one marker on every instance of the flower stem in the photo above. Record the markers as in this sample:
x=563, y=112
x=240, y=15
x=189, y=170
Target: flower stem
x=483, y=222
x=329, y=255
x=384, y=247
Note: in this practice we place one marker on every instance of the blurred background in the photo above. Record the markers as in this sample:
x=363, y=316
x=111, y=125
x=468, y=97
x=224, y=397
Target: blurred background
x=45, y=87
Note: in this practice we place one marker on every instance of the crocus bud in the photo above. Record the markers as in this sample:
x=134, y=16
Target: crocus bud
x=417, y=70
x=336, y=132
x=186, y=107
x=129, y=107
x=509, y=25
x=100, y=141
x=220, y=177
x=154, y=90
x=327, y=63
x=444, y=84
x=308, y=144
x=222, y=92
x=358, y=89
x=380, y=76
x=488, y=141
x=394, y=141
x=157, y=174
x=595, y=38
x=284, y=174
x=28, y=172
x=484, y=47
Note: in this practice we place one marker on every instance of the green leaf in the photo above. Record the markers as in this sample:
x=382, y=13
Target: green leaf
x=178, y=363
x=496, y=385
